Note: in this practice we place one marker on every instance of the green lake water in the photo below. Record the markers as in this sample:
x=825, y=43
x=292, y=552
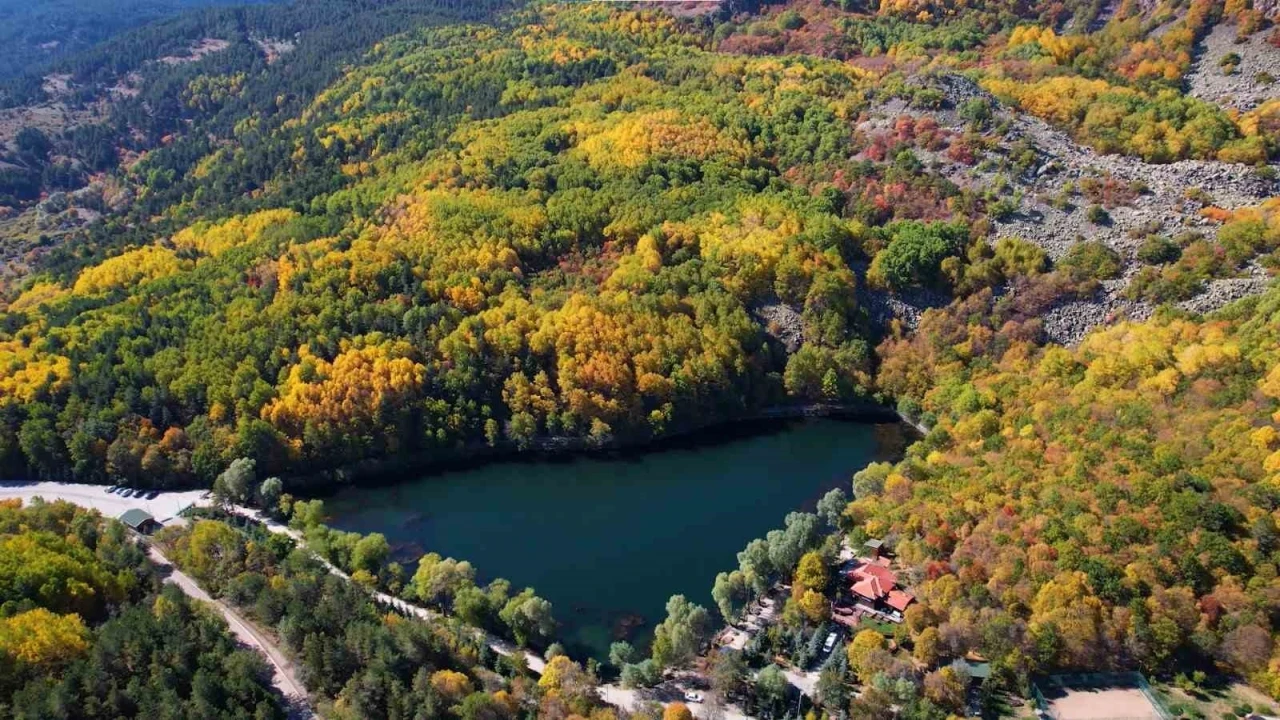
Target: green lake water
x=607, y=539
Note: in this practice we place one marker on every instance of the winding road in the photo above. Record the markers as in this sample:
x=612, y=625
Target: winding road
x=500, y=646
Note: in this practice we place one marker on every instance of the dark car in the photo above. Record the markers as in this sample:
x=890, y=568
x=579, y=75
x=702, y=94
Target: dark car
x=153, y=494
x=112, y=488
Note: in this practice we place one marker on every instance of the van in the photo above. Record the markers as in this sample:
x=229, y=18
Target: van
x=829, y=644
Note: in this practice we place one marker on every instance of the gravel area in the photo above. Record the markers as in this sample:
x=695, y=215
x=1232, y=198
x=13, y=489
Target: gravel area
x=782, y=322
x=1164, y=207
x=164, y=508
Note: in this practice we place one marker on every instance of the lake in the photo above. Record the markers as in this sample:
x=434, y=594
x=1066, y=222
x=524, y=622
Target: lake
x=608, y=538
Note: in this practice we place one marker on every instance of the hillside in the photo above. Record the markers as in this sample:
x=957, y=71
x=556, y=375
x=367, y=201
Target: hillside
x=88, y=630
x=36, y=34
x=1109, y=505
x=73, y=130
x=602, y=223
x=1047, y=230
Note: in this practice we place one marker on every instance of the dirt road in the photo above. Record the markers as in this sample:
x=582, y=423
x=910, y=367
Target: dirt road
x=282, y=672
x=165, y=508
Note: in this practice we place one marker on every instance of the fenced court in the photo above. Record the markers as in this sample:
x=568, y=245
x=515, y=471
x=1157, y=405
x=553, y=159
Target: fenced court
x=1098, y=696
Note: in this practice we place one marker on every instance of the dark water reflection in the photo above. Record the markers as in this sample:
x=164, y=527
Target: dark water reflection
x=608, y=539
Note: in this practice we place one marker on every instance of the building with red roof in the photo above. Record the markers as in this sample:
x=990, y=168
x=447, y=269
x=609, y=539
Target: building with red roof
x=899, y=600
x=878, y=586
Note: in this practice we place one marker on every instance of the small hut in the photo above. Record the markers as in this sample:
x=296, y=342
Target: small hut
x=140, y=521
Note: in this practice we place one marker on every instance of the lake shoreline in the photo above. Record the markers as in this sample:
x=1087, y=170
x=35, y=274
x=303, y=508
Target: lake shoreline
x=608, y=537
x=384, y=471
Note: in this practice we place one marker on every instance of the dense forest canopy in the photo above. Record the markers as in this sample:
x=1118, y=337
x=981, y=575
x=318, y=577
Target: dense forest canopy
x=87, y=630
x=550, y=266
x=584, y=221
x=421, y=231
x=1109, y=505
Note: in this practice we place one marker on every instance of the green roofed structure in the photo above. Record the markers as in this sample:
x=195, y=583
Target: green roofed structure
x=139, y=521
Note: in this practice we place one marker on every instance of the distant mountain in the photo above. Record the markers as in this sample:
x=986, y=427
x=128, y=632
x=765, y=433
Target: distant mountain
x=37, y=33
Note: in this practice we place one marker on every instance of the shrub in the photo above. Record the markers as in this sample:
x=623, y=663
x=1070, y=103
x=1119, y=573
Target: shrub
x=977, y=111
x=928, y=99
x=1157, y=250
x=1173, y=284
x=914, y=256
x=791, y=20
x=1198, y=195
x=642, y=674
x=1091, y=260
x=1244, y=239
x=1002, y=209
x=1097, y=215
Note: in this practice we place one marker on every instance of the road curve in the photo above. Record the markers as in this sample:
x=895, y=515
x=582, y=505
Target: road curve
x=282, y=673
x=284, y=679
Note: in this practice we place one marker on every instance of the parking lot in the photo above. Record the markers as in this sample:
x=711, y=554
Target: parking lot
x=164, y=508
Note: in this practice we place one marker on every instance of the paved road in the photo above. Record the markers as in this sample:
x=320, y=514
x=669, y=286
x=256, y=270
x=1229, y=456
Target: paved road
x=283, y=675
x=167, y=506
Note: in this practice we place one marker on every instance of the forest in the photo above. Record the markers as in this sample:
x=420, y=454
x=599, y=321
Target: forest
x=37, y=34
x=428, y=232
x=1103, y=507
x=87, y=630
x=568, y=253
x=1142, y=541
x=361, y=659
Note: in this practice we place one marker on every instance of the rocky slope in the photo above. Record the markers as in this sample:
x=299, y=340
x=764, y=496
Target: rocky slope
x=1053, y=212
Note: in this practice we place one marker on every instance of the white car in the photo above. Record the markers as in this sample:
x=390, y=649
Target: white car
x=829, y=644
x=693, y=696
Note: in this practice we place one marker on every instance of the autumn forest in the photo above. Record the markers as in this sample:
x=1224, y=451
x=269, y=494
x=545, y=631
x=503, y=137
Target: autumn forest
x=316, y=242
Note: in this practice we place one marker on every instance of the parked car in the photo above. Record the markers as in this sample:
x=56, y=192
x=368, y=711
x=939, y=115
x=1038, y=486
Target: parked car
x=153, y=494
x=112, y=488
x=693, y=696
x=830, y=643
